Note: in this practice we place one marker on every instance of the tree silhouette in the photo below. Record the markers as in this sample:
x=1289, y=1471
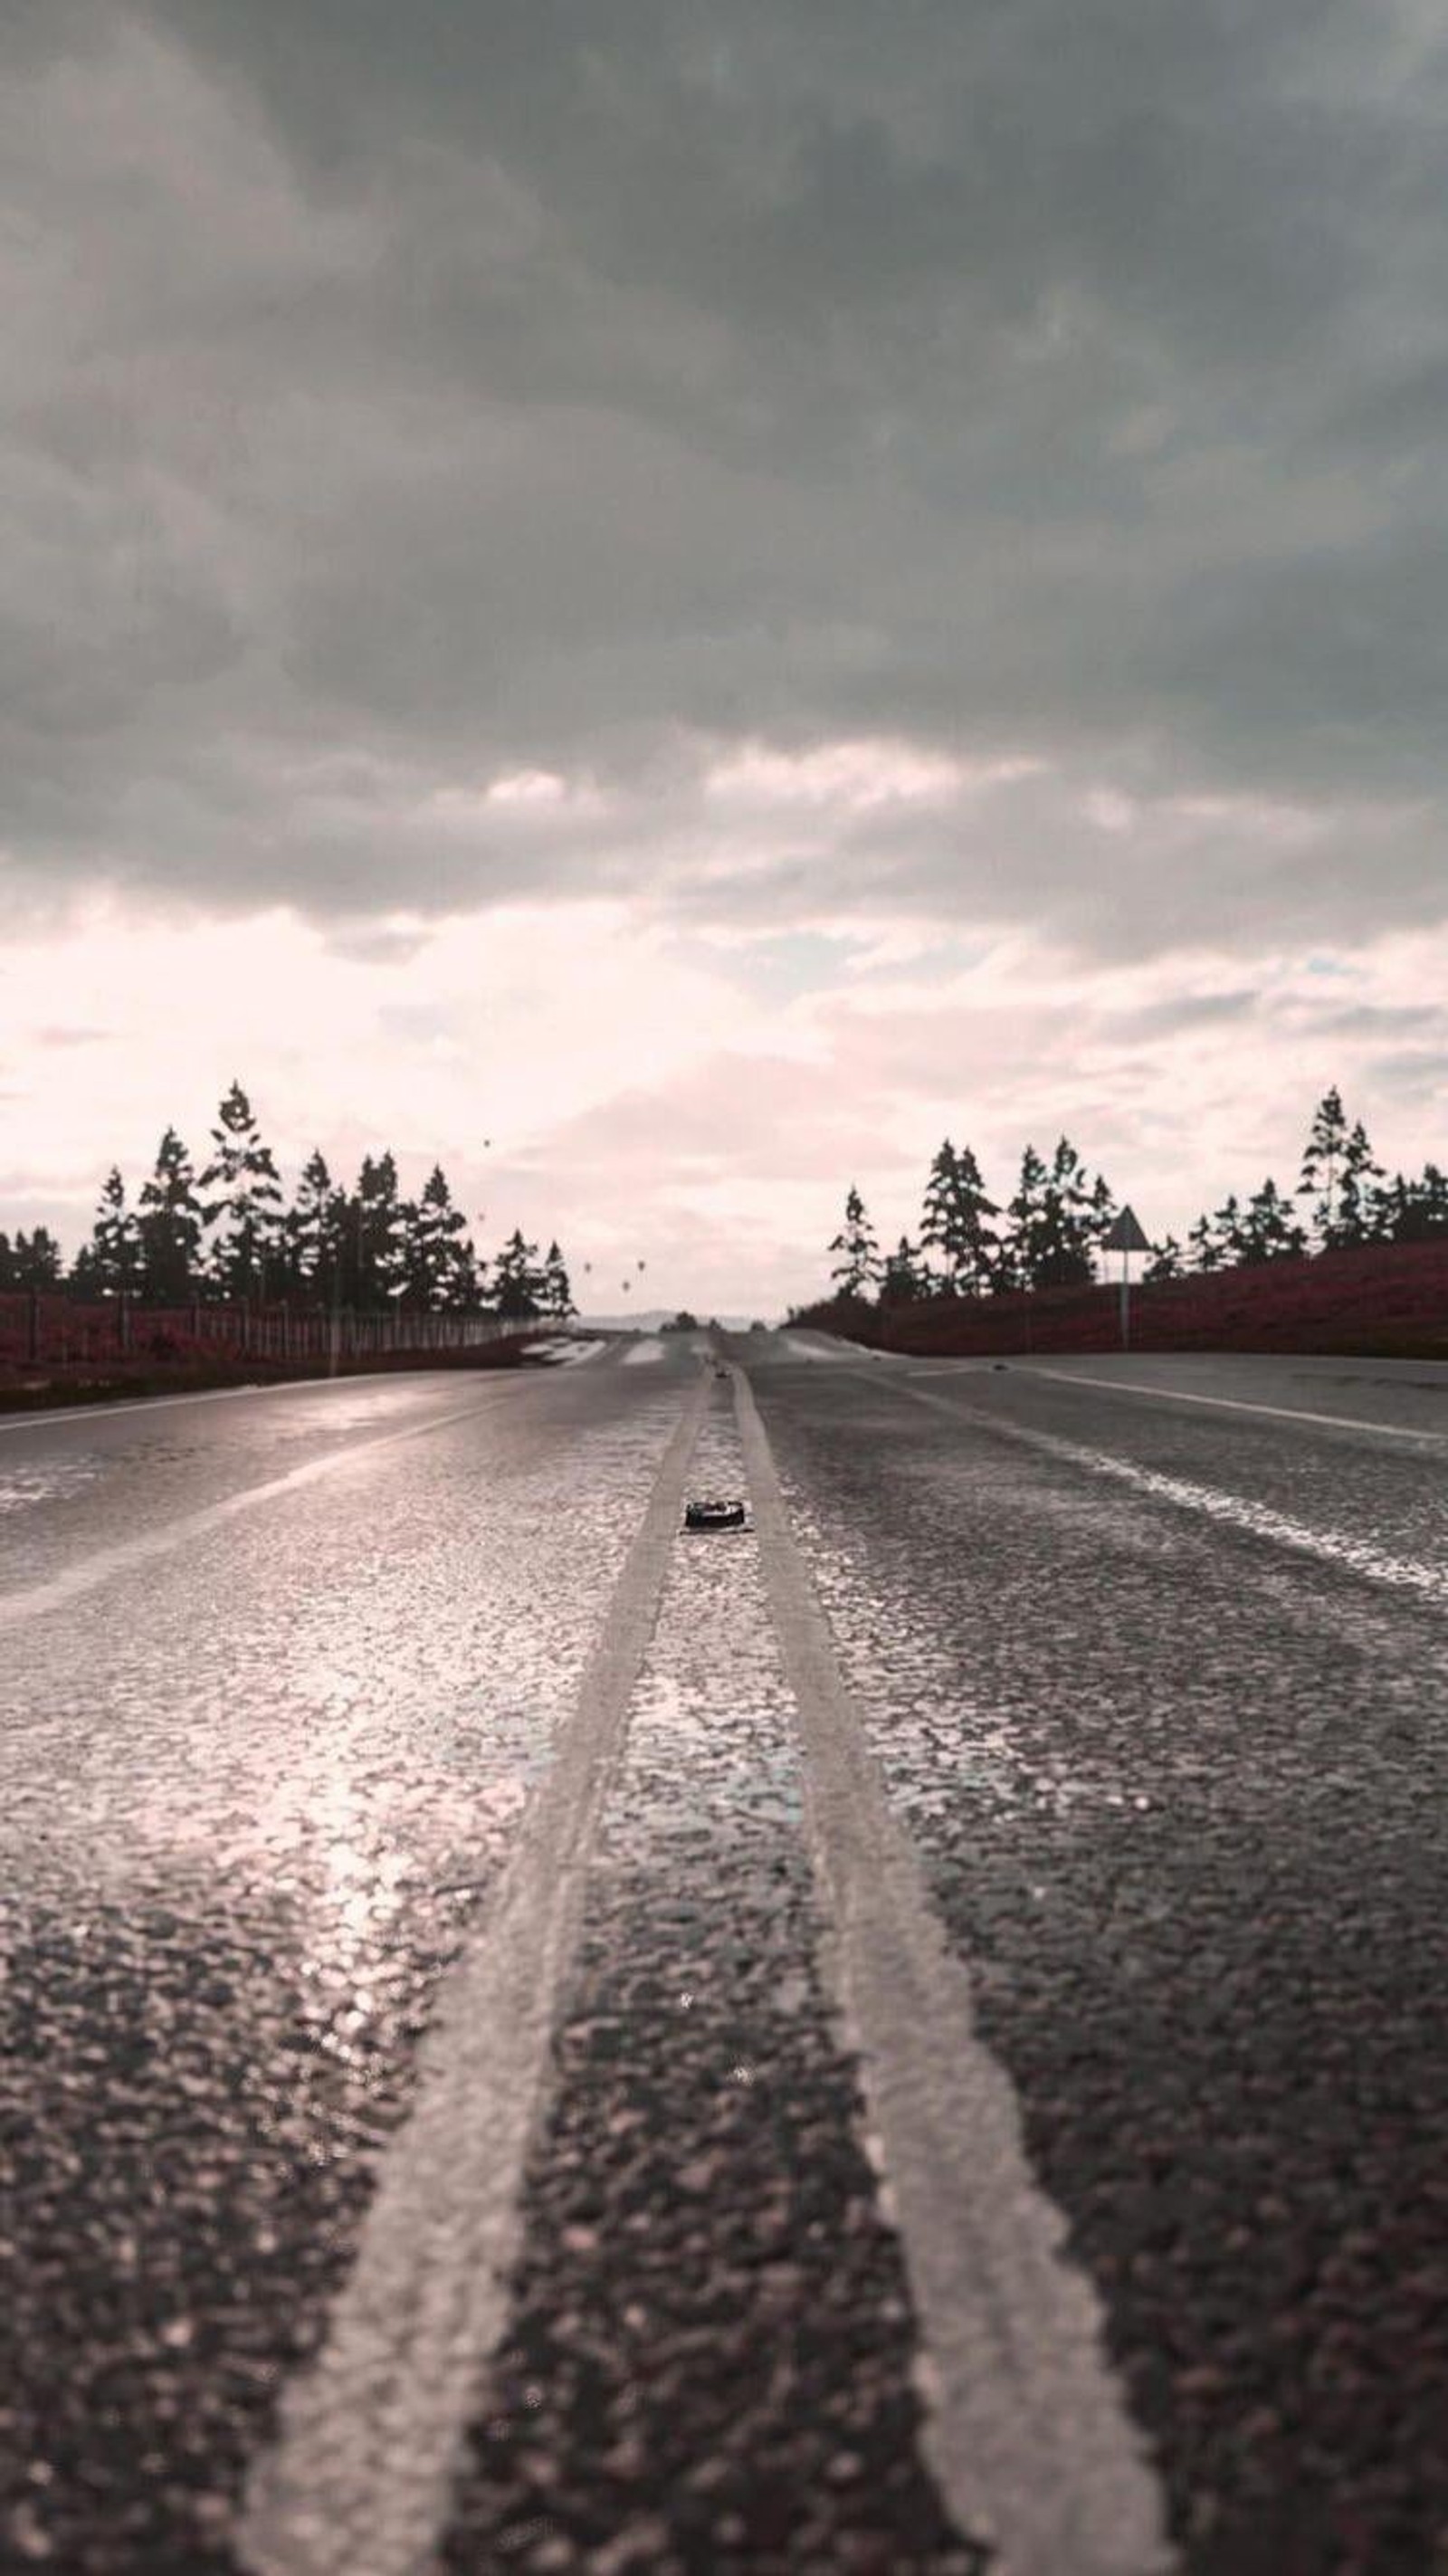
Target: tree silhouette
x=1022, y=1248
x=557, y=1293
x=244, y=1212
x=115, y=1245
x=374, y=1248
x=1268, y=1230
x=1357, y=1198
x=1167, y=1261
x=170, y=1226
x=859, y=1263
x=517, y=1285
x=1054, y=1219
x=435, y=1264
x=955, y=1221
x=1321, y=1160
x=904, y=1282
x=36, y=1259
x=313, y=1232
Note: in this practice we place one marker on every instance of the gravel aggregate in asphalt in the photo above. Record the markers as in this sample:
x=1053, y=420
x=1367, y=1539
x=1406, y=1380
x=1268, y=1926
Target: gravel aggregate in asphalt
x=249, y=1806
x=1185, y=1816
x=710, y=2361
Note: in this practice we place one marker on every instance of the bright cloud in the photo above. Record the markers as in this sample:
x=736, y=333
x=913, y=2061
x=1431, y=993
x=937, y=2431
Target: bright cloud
x=714, y=612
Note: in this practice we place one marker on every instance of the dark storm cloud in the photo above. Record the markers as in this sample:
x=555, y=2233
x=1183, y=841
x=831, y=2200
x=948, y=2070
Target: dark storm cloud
x=399, y=398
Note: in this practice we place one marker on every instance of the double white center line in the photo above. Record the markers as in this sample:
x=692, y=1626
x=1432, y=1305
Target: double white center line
x=1028, y=2436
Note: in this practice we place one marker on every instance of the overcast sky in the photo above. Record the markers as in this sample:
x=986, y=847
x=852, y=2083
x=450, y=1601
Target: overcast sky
x=710, y=590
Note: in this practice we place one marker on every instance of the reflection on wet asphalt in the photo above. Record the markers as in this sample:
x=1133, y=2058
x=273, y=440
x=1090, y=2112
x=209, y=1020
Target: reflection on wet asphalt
x=73, y=1482
x=1184, y=1804
x=1180, y=1788
x=248, y=1808
x=709, y=2364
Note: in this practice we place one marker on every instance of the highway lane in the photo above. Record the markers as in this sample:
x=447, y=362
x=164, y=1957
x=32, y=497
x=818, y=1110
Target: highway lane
x=1161, y=1702
x=421, y=1870
x=253, y=1790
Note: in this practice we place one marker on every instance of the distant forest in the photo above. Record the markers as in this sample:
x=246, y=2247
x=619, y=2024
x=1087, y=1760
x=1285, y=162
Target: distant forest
x=1051, y=1232
x=227, y=1232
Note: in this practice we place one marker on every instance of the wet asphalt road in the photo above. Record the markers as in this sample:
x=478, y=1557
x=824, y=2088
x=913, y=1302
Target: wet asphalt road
x=1157, y=1689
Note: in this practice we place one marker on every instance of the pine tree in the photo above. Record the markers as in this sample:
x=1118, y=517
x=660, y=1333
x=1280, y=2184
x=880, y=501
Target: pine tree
x=1357, y=1211
x=859, y=1264
x=1023, y=1247
x=1167, y=1262
x=1268, y=1231
x=1422, y=1214
x=7, y=1263
x=517, y=1284
x=1227, y=1222
x=433, y=1254
x=954, y=1222
x=83, y=1278
x=115, y=1246
x=244, y=1212
x=170, y=1226
x=557, y=1293
x=374, y=1257
x=470, y=1282
x=1205, y=1245
x=904, y=1282
x=1060, y=1252
x=313, y=1231
x=37, y=1261
x=1103, y=1211
x=1321, y=1162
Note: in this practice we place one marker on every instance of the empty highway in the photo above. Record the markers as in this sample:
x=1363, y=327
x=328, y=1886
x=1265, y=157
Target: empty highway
x=908, y=2037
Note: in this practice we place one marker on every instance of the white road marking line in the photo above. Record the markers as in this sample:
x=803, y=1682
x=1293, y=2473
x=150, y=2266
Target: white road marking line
x=1027, y=2433
x=59, y=1416
x=1226, y=1403
x=109, y=1562
x=1258, y=1520
x=831, y=1346
x=361, y=2481
x=49, y=1416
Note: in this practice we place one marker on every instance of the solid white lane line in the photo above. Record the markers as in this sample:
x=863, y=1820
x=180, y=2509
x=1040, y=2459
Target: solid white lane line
x=59, y=1416
x=1228, y=1403
x=372, y=2438
x=1027, y=2433
x=109, y=1562
x=1257, y=1520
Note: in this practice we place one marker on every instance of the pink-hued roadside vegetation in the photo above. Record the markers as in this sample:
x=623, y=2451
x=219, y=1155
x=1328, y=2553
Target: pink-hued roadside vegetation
x=56, y=1351
x=1387, y=1301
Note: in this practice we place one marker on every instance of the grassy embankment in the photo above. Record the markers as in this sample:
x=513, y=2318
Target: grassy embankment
x=1388, y=1301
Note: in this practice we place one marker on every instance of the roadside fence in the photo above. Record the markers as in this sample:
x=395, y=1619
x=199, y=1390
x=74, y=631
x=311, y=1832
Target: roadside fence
x=40, y=1331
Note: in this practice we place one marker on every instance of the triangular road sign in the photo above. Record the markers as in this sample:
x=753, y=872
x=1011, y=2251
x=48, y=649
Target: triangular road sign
x=1125, y=1235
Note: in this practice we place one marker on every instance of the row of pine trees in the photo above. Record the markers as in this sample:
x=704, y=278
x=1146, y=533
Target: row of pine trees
x=227, y=1231
x=1050, y=1232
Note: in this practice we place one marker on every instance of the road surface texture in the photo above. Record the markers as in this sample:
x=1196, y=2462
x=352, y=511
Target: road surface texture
x=908, y=2037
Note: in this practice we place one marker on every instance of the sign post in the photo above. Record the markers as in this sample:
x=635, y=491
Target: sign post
x=1125, y=1237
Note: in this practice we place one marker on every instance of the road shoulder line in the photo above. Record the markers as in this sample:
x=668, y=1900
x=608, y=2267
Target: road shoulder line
x=107, y=1563
x=1236, y=1512
x=1027, y=2433
x=1227, y=1403
x=360, y=2482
